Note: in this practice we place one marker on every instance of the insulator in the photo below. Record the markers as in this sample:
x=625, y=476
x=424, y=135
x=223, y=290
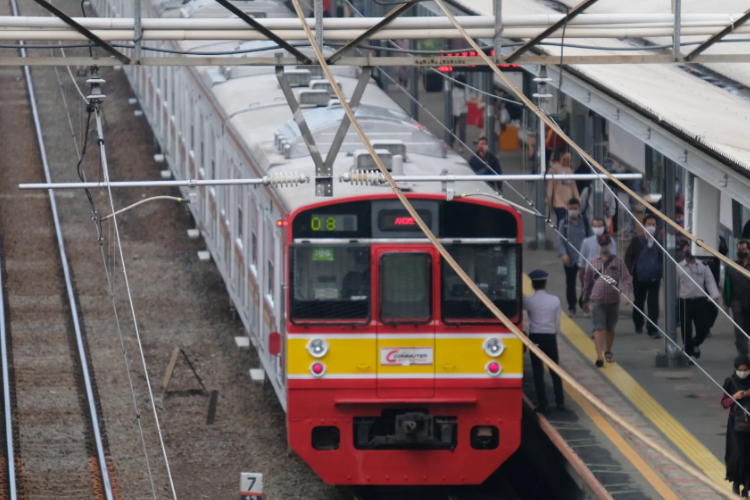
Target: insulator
x=365, y=177
x=284, y=179
x=287, y=151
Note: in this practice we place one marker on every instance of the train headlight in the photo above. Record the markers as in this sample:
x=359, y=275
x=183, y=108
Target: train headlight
x=493, y=346
x=494, y=368
x=318, y=369
x=317, y=348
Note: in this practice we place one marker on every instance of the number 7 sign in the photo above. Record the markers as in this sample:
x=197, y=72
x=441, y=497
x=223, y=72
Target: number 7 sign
x=251, y=484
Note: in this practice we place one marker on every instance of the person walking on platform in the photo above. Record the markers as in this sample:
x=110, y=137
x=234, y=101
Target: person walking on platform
x=573, y=228
x=605, y=274
x=562, y=190
x=737, y=296
x=737, y=451
x=590, y=248
x=460, y=110
x=695, y=308
x=644, y=261
x=485, y=163
x=544, y=314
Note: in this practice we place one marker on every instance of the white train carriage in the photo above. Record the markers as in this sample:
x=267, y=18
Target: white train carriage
x=221, y=122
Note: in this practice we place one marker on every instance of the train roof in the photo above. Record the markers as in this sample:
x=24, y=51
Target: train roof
x=257, y=111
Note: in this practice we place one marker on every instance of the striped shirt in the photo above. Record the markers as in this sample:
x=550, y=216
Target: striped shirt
x=596, y=289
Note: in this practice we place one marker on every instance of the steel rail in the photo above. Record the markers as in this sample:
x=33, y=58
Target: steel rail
x=83, y=31
x=578, y=9
x=11, y=460
x=104, y=470
x=718, y=36
x=389, y=18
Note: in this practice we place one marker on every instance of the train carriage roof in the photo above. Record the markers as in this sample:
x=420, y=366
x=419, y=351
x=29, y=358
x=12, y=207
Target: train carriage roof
x=253, y=101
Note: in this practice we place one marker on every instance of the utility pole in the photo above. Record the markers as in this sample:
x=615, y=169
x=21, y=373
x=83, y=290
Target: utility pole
x=541, y=97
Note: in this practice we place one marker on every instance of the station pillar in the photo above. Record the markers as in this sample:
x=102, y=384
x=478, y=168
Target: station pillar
x=703, y=213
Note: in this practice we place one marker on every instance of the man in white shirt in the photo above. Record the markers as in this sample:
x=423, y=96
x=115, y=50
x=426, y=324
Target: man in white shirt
x=460, y=110
x=544, y=314
x=694, y=305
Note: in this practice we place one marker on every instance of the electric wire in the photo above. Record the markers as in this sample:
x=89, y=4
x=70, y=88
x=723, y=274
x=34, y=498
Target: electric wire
x=110, y=280
x=146, y=200
x=105, y=172
x=468, y=281
x=362, y=46
x=662, y=248
x=537, y=213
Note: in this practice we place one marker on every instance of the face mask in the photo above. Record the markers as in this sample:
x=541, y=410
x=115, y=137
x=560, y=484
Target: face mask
x=677, y=190
x=742, y=374
x=598, y=231
x=742, y=254
x=605, y=249
x=574, y=213
x=651, y=230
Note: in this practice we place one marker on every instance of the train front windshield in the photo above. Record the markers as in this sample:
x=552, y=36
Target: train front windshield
x=493, y=268
x=345, y=254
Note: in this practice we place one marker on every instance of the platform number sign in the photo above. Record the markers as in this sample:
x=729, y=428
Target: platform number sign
x=251, y=484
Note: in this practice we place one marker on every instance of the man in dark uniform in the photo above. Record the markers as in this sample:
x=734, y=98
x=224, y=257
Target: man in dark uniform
x=544, y=314
x=485, y=163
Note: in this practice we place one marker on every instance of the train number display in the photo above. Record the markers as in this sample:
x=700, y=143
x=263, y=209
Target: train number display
x=333, y=222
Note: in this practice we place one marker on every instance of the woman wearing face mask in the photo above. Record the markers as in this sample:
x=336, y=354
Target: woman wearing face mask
x=560, y=191
x=737, y=454
x=737, y=296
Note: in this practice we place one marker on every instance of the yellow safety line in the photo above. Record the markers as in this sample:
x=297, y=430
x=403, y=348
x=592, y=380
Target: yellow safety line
x=672, y=429
x=652, y=477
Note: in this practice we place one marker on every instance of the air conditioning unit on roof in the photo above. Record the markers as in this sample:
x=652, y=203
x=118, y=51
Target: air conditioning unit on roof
x=298, y=77
x=314, y=98
x=363, y=160
x=323, y=85
x=395, y=146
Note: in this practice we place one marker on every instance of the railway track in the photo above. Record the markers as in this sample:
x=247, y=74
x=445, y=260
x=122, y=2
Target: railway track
x=54, y=431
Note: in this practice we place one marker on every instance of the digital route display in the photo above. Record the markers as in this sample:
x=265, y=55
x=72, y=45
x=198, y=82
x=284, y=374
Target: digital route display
x=333, y=222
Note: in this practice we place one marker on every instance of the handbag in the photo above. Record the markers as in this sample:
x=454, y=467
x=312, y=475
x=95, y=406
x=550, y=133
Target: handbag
x=741, y=419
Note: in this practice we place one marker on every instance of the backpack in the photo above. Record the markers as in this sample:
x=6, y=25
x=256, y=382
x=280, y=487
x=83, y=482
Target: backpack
x=649, y=265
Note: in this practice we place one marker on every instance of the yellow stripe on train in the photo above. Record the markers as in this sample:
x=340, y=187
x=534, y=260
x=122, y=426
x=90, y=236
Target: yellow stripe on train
x=367, y=354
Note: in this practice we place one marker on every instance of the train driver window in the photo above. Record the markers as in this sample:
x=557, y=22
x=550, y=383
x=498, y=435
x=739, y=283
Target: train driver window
x=330, y=283
x=494, y=269
x=405, y=287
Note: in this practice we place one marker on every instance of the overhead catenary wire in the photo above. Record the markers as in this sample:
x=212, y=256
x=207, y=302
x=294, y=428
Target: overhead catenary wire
x=617, y=200
x=105, y=172
x=537, y=213
x=146, y=200
x=110, y=280
x=583, y=153
x=551, y=364
x=467, y=280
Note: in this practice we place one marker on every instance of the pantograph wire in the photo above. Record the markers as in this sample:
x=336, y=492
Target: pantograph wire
x=105, y=172
x=110, y=279
x=588, y=263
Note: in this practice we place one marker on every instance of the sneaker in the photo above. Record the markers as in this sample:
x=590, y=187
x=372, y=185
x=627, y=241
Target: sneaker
x=654, y=335
x=696, y=352
x=639, y=331
x=572, y=313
